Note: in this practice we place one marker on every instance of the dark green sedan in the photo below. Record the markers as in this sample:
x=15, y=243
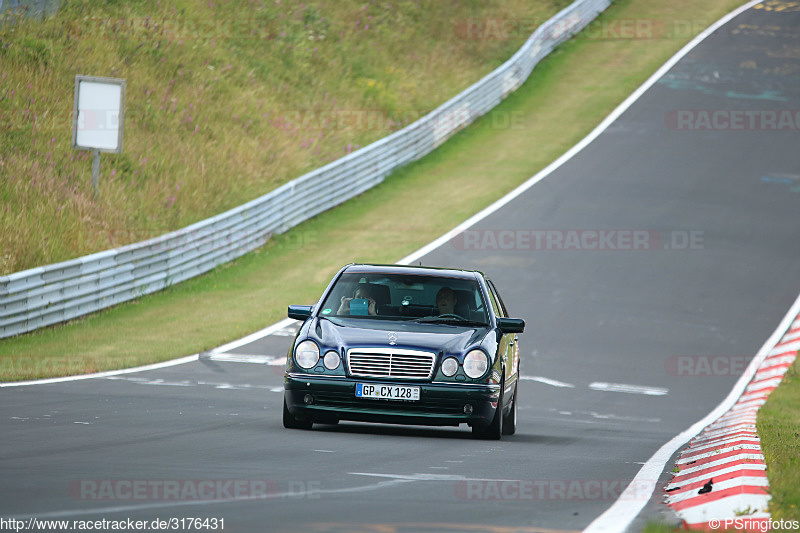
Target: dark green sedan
x=405, y=345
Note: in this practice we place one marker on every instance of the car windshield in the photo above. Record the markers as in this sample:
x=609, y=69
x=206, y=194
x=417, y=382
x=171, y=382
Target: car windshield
x=421, y=298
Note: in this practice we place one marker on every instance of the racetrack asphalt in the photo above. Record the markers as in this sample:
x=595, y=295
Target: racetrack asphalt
x=703, y=264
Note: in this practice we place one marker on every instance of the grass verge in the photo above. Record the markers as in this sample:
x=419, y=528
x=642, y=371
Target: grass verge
x=778, y=426
x=225, y=101
x=567, y=95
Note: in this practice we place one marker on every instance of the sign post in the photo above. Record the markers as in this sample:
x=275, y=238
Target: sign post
x=98, y=118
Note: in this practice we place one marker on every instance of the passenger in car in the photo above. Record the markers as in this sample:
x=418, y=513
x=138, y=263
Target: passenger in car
x=361, y=293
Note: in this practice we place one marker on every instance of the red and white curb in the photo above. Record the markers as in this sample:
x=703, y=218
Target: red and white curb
x=722, y=474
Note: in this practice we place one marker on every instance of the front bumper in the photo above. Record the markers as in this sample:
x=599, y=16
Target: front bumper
x=440, y=404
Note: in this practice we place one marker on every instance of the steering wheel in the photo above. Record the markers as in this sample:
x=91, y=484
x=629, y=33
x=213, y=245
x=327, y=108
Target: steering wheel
x=451, y=315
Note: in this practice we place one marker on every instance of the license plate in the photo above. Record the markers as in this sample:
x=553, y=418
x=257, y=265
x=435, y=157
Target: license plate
x=387, y=392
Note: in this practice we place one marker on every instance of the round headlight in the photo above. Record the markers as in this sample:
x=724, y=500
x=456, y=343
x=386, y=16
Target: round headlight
x=449, y=366
x=306, y=354
x=475, y=364
x=331, y=360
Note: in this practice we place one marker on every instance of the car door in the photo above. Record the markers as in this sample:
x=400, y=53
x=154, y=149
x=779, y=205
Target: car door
x=507, y=348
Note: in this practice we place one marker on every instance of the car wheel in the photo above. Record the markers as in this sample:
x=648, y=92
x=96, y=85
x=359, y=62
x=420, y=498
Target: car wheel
x=290, y=422
x=510, y=420
x=495, y=429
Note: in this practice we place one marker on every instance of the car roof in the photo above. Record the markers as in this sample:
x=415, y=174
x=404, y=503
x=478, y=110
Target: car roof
x=411, y=270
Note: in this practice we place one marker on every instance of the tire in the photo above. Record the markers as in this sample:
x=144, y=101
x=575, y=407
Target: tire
x=495, y=428
x=290, y=422
x=510, y=420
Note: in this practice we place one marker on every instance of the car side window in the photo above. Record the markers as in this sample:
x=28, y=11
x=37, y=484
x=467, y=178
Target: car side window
x=496, y=305
x=493, y=300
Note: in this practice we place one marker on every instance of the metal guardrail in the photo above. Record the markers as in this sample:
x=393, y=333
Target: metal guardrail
x=59, y=292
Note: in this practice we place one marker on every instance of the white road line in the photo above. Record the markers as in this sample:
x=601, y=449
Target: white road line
x=286, y=332
x=428, y=477
x=218, y=354
x=602, y=416
x=269, y=330
x=155, y=366
x=271, y=360
x=629, y=389
x=164, y=383
x=548, y=381
x=187, y=383
x=193, y=503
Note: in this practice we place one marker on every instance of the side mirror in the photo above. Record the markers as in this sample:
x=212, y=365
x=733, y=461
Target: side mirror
x=511, y=325
x=299, y=312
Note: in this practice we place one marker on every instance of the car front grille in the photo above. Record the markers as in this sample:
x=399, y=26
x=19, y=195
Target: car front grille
x=389, y=363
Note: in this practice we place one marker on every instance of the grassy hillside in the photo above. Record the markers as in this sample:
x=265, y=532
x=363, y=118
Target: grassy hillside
x=225, y=101
x=568, y=94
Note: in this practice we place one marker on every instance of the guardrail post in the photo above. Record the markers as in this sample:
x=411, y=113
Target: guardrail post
x=96, y=173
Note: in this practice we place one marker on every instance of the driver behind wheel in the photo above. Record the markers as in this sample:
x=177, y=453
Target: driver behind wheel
x=446, y=301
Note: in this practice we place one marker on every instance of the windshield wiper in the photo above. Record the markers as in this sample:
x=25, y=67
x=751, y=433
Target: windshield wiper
x=449, y=320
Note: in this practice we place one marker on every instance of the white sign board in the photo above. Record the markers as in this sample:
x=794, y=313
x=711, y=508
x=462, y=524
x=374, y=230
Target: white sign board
x=98, y=114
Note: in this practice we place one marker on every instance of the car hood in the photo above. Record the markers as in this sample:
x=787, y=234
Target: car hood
x=348, y=333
